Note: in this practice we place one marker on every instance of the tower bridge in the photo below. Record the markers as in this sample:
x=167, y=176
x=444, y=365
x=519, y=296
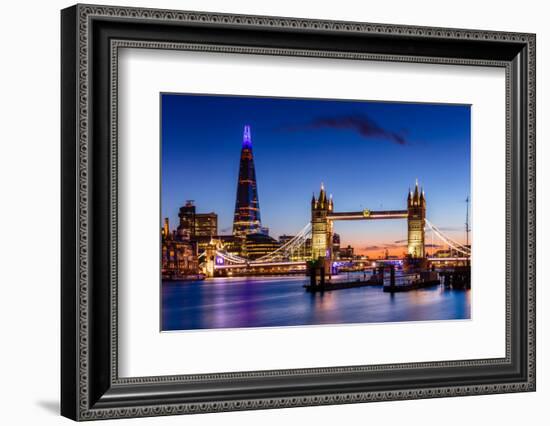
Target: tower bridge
x=291, y=256
x=323, y=217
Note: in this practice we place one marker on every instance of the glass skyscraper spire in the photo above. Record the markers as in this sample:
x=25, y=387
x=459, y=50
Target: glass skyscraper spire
x=247, y=206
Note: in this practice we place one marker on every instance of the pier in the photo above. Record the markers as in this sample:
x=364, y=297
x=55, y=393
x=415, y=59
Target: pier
x=458, y=278
x=405, y=282
x=414, y=281
x=328, y=286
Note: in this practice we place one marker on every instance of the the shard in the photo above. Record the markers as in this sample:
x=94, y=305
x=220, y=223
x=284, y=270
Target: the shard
x=247, y=206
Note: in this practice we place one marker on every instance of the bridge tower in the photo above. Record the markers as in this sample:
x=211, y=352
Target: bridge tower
x=416, y=220
x=210, y=259
x=321, y=226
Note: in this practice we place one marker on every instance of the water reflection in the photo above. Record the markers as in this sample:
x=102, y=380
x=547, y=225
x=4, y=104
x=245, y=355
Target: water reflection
x=281, y=301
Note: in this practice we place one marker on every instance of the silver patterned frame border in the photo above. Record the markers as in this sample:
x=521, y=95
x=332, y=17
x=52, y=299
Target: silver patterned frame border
x=85, y=14
x=116, y=45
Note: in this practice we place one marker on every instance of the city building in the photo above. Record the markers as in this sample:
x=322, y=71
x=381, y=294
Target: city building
x=206, y=228
x=186, y=227
x=231, y=244
x=178, y=255
x=206, y=225
x=258, y=245
x=247, y=218
x=283, y=239
x=165, y=232
x=346, y=253
x=179, y=259
x=336, y=246
x=197, y=227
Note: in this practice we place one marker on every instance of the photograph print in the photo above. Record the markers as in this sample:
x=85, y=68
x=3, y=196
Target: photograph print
x=280, y=212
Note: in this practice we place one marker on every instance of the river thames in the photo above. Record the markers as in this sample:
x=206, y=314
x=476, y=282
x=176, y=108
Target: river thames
x=237, y=302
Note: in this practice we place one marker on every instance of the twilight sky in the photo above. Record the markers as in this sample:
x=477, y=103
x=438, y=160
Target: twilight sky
x=367, y=154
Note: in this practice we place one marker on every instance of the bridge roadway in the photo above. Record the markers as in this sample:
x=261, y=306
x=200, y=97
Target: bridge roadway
x=253, y=264
x=260, y=264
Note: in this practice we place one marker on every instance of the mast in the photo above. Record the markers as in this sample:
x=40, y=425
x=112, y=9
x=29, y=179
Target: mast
x=467, y=221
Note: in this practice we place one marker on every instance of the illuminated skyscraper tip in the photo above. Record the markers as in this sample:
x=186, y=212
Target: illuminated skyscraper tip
x=247, y=138
x=322, y=186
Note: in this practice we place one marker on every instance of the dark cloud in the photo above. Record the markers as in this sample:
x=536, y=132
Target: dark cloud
x=383, y=247
x=373, y=248
x=398, y=244
x=360, y=124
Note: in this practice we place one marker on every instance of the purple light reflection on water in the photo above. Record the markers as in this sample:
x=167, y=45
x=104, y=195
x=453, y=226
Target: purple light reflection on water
x=282, y=301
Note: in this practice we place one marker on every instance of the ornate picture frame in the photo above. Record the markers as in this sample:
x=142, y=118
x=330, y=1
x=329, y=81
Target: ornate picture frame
x=91, y=37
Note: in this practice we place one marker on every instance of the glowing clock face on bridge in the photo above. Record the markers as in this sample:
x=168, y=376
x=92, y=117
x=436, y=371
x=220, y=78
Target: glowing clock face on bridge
x=366, y=213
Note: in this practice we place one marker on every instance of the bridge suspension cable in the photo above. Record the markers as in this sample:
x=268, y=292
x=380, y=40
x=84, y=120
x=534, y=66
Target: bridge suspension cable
x=450, y=242
x=286, y=250
x=292, y=245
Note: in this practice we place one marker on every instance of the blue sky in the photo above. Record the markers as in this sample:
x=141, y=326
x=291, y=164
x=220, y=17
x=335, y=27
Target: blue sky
x=366, y=153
